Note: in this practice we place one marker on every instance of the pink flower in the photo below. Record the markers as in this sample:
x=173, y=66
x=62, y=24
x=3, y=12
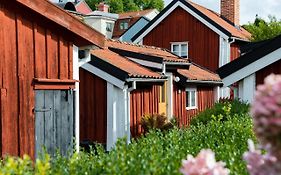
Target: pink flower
x=204, y=164
x=266, y=111
x=258, y=164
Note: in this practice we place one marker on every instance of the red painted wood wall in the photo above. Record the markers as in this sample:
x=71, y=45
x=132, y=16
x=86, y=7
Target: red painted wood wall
x=180, y=26
x=30, y=48
x=206, y=99
x=234, y=51
x=93, y=107
x=274, y=68
x=144, y=100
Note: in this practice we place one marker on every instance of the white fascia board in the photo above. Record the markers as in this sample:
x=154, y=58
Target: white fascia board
x=103, y=75
x=252, y=68
x=180, y=4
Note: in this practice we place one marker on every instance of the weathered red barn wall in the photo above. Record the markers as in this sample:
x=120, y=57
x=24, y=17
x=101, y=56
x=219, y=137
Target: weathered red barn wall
x=93, y=107
x=29, y=49
x=144, y=100
x=274, y=68
x=206, y=99
x=234, y=51
x=180, y=26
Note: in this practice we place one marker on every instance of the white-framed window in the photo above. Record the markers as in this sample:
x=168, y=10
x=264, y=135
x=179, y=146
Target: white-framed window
x=124, y=25
x=191, y=98
x=180, y=49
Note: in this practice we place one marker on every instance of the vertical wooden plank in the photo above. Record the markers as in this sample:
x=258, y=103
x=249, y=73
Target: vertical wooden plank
x=40, y=52
x=1, y=72
x=26, y=93
x=70, y=60
x=52, y=55
x=63, y=59
x=49, y=122
x=9, y=82
x=39, y=122
x=58, y=122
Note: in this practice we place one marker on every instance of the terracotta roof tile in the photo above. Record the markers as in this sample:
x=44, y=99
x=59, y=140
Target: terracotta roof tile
x=146, y=50
x=134, y=70
x=196, y=72
x=134, y=14
x=238, y=32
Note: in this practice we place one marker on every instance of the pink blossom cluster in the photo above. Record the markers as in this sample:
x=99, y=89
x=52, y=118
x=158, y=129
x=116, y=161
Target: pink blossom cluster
x=204, y=164
x=266, y=111
x=261, y=164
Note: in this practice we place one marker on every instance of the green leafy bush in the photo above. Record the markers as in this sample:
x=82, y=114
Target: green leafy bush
x=155, y=121
x=221, y=111
x=155, y=153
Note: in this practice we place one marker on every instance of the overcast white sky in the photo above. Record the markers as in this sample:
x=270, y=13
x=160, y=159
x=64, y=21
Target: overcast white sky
x=249, y=8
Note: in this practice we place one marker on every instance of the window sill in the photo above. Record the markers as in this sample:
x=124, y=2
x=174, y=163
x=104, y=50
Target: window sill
x=191, y=108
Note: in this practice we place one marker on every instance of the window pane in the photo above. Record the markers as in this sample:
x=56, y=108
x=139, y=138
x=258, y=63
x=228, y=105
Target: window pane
x=121, y=26
x=184, y=47
x=187, y=99
x=193, y=99
x=176, y=48
x=183, y=50
x=126, y=25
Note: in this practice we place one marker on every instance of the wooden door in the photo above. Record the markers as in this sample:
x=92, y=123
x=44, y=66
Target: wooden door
x=54, y=121
x=163, y=99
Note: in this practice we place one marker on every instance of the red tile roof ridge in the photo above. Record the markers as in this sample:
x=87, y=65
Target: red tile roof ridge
x=244, y=33
x=134, y=13
x=159, y=76
x=138, y=45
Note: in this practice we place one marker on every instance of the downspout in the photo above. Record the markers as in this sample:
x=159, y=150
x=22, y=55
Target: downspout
x=76, y=96
x=77, y=63
x=129, y=90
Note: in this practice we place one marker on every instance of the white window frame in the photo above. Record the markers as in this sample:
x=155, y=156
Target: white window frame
x=180, y=46
x=188, y=90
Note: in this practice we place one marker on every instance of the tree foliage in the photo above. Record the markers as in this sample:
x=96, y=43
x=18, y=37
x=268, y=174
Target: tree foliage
x=119, y=6
x=263, y=30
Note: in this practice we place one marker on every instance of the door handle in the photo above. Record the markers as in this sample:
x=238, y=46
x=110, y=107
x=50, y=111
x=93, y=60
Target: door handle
x=43, y=110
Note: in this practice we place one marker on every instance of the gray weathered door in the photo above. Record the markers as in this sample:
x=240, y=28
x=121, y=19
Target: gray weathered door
x=54, y=121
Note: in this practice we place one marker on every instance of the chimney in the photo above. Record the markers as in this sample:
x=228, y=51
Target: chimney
x=103, y=7
x=230, y=10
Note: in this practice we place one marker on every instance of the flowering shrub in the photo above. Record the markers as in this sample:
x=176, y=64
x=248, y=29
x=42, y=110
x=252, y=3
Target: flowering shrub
x=204, y=164
x=266, y=112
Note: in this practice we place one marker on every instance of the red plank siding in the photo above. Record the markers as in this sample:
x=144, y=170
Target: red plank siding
x=180, y=26
x=263, y=73
x=205, y=96
x=143, y=100
x=234, y=51
x=10, y=113
x=30, y=49
x=93, y=107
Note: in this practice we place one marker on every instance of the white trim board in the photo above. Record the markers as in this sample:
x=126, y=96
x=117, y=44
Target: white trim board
x=253, y=67
x=103, y=75
x=169, y=11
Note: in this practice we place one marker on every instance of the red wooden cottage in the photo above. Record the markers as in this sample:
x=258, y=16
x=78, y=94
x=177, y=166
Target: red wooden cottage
x=248, y=71
x=189, y=88
x=39, y=46
x=195, y=32
x=114, y=93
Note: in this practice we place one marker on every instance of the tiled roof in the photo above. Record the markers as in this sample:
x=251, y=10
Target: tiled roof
x=134, y=70
x=146, y=50
x=238, y=32
x=196, y=72
x=134, y=14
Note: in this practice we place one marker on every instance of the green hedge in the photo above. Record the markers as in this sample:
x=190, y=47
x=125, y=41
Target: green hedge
x=155, y=153
x=222, y=111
